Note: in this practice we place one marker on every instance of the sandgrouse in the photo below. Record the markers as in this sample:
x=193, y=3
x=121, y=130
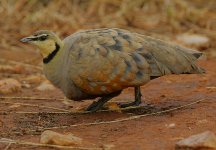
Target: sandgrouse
x=102, y=62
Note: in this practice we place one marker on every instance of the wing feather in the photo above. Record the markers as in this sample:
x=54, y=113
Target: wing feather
x=106, y=62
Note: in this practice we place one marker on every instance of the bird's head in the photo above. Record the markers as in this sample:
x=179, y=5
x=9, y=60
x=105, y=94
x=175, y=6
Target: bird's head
x=46, y=41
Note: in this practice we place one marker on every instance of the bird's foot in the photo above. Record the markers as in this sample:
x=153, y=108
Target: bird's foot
x=124, y=105
x=93, y=107
x=99, y=104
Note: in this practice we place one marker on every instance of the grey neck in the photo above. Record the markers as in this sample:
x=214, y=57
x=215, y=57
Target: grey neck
x=53, y=65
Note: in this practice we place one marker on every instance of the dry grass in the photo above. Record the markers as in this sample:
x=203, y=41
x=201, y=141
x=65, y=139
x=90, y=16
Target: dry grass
x=159, y=17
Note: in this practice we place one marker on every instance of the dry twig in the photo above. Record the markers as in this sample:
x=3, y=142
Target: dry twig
x=8, y=146
x=3, y=140
x=129, y=118
x=31, y=105
x=80, y=112
x=29, y=98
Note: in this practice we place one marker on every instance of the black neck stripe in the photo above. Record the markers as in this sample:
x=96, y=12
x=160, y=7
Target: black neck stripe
x=51, y=55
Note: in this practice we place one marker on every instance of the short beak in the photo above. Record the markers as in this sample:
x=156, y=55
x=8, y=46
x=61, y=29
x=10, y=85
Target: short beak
x=27, y=39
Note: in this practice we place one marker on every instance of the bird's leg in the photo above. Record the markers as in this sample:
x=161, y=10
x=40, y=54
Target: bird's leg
x=99, y=104
x=137, y=98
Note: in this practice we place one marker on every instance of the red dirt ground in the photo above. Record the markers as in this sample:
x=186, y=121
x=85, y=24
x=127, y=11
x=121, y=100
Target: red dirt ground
x=151, y=132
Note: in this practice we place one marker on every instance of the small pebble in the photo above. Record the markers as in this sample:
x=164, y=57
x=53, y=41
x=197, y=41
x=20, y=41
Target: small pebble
x=51, y=137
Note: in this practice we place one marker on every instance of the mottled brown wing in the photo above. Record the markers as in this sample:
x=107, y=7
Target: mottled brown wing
x=165, y=58
x=104, y=61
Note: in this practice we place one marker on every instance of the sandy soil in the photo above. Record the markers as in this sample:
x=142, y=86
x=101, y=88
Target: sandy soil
x=151, y=132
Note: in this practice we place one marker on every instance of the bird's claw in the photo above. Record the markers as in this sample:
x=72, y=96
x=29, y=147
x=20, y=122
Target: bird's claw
x=124, y=105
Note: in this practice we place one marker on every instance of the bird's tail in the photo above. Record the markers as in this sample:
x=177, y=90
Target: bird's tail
x=196, y=55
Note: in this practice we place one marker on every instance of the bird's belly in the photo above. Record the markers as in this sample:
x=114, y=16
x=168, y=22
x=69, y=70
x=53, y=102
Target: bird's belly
x=81, y=97
x=74, y=93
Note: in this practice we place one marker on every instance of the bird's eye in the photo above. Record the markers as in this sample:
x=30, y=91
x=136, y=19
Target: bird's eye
x=42, y=38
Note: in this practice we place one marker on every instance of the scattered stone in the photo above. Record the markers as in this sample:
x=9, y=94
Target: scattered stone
x=45, y=86
x=205, y=140
x=8, y=86
x=169, y=81
x=199, y=41
x=51, y=137
x=171, y=125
